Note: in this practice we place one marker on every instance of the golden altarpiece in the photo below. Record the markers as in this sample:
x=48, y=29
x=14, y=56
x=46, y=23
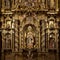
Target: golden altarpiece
x=30, y=25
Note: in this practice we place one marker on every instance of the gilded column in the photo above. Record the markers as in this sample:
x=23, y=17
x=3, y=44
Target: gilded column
x=57, y=5
x=42, y=36
x=39, y=38
x=46, y=4
x=3, y=4
x=16, y=36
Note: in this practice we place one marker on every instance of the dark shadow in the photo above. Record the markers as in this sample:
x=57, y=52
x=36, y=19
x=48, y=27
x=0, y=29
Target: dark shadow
x=0, y=40
x=30, y=54
x=59, y=39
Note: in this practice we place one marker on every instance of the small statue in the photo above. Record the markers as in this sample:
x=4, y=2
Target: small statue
x=52, y=4
x=42, y=4
x=52, y=43
x=30, y=38
x=7, y=3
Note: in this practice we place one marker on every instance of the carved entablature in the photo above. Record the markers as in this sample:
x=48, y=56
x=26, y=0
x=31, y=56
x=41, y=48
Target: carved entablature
x=30, y=5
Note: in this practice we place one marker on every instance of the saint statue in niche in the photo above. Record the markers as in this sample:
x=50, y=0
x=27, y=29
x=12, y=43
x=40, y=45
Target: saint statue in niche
x=52, y=43
x=30, y=40
x=8, y=40
x=8, y=24
x=51, y=24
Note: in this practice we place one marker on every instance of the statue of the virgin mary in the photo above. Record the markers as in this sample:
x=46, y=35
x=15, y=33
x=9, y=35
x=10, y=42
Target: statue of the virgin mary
x=30, y=40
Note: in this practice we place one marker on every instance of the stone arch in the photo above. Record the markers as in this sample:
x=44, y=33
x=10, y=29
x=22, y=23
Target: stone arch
x=33, y=26
x=51, y=22
x=51, y=18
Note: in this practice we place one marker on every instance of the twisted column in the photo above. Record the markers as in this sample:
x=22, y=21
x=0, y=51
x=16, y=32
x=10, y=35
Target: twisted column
x=43, y=37
x=16, y=37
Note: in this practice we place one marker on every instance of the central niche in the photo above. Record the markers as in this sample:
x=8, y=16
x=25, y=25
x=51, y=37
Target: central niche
x=29, y=36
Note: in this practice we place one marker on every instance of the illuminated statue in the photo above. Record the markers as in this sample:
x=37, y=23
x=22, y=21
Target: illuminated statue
x=30, y=38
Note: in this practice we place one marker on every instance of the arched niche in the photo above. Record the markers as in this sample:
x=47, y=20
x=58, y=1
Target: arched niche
x=30, y=36
x=26, y=26
x=51, y=22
